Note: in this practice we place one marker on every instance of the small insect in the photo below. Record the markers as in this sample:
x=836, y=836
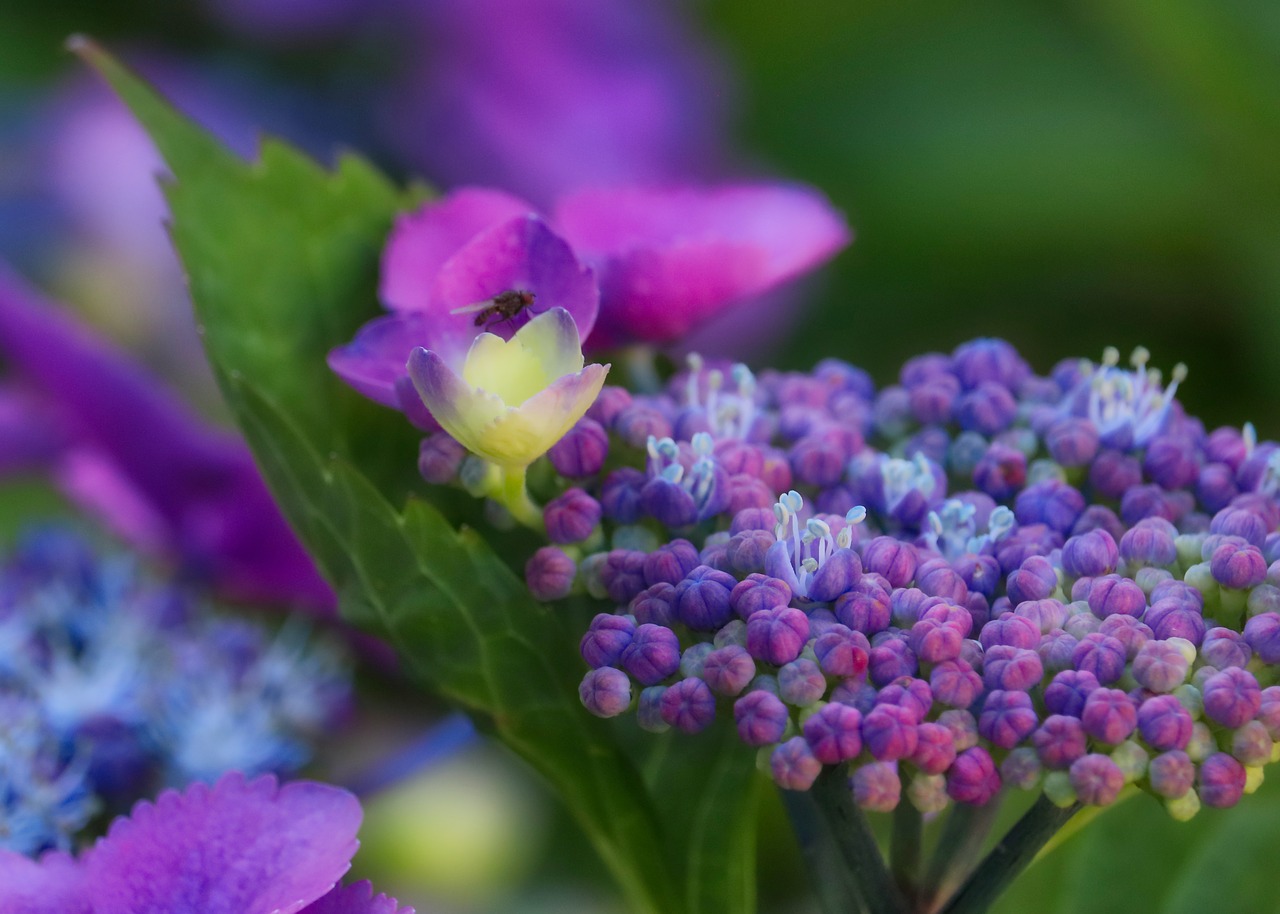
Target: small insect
x=502, y=307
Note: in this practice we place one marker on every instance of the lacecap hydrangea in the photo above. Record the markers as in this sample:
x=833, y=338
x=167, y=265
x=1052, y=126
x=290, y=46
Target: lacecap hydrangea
x=975, y=578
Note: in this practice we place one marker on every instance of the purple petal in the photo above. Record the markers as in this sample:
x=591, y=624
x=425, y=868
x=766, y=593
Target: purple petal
x=452, y=401
x=200, y=483
x=356, y=899
x=30, y=437
x=374, y=361
x=235, y=848
x=668, y=260
x=422, y=242
x=53, y=885
x=521, y=254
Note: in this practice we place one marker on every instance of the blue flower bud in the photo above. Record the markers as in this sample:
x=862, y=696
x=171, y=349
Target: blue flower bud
x=987, y=409
x=1090, y=555
x=1170, y=462
x=1072, y=442
x=777, y=635
x=1113, y=473
x=656, y=605
x=793, y=765
x=892, y=412
x=670, y=563
x=1053, y=503
x=801, y=683
x=1149, y=542
x=605, y=692
x=1240, y=522
x=606, y=639
x=1096, y=780
x=1059, y=741
x=652, y=655
x=549, y=574
x=1141, y=502
x=973, y=778
x=935, y=748
x=1222, y=781
x=688, y=705
x=649, y=710
x=1068, y=691
x=1035, y=579
x=758, y=592
x=934, y=641
x=1007, y=718
x=761, y=718
x=1231, y=698
x=877, y=787
x=834, y=733
x=1216, y=486
x=622, y=574
x=620, y=495
x=582, y=451
x=702, y=598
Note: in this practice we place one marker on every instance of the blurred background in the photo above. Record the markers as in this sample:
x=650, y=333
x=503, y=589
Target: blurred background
x=1067, y=176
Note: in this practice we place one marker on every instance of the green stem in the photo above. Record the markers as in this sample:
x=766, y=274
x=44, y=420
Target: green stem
x=509, y=490
x=905, y=848
x=837, y=894
x=1009, y=857
x=957, y=850
x=856, y=846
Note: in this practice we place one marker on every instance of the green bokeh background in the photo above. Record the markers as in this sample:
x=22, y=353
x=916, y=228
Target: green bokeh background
x=1068, y=176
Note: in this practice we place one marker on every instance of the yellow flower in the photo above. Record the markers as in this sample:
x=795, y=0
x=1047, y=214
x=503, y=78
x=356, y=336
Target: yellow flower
x=514, y=398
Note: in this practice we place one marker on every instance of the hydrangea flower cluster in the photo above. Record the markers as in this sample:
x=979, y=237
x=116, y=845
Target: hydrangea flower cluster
x=112, y=684
x=976, y=577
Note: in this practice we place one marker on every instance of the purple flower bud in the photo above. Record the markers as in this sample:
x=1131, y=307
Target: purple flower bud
x=777, y=635
x=549, y=574
x=1096, y=780
x=656, y=605
x=823, y=620
x=1128, y=631
x=652, y=655
x=1171, y=774
x=1223, y=647
x=973, y=777
x=1216, y=486
x=815, y=463
x=931, y=401
x=955, y=684
x=753, y=519
x=865, y=608
x=1173, y=621
x=1170, y=462
x=1051, y=502
x=934, y=641
x=649, y=710
x=1010, y=629
x=670, y=563
x=605, y=692
x=746, y=550
x=1035, y=579
x=1261, y=633
x=1269, y=711
x=907, y=692
x=842, y=652
x=1047, y=614
x=1021, y=768
x=989, y=359
x=439, y=457
x=855, y=694
x=1098, y=517
x=622, y=574
x=1001, y=472
x=987, y=409
x=582, y=451
x=1222, y=781
x=1232, y=697
x=1081, y=624
x=889, y=732
x=1113, y=473
x=609, y=404
x=757, y=592
x=1072, y=442
x=794, y=765
x=1109, y=715
x=702, y=599
x=571, y=517
x=801, y=683
x=1059, y=741
x=836, y=576
x=891, y=660
x=1011, y=668
x=668, y=503
x=937, y=578
x=1252, y=745
x=1090, y=555
x=1024, y=542
x=1160, y=666
x=834, y=734
x=1056, y=649
x=1242, y=523
x=620, y=495
x=1112, y=594
x=1068, y=691
x=1101, y=655
x=637, y=422
x=728, y=670
x=688, y=705
x=1142, y=502
x=1237, y=566
x=1007, y=718
x=761, y=718
x=877, y=787
x=1150, y=542
x=606, y=639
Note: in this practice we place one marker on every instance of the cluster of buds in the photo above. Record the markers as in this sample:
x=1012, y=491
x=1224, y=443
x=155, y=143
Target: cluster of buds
x=975, y=578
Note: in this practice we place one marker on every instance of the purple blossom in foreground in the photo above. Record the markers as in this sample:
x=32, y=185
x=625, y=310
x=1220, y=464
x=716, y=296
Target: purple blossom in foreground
x=182, y=489
x=239, y=847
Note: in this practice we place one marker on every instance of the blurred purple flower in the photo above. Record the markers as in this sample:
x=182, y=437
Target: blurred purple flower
x=132, y=453
x=249, y=847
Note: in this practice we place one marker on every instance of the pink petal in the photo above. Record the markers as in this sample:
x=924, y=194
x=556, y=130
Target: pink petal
x=356, y=899
x=239, y=847
x=53, y=885
x=668, y=260
x=519, y=254
x=421, y=242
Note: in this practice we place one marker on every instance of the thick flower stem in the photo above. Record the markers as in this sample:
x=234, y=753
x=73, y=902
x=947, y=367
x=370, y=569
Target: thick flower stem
x=831, y=881
x=1009, y=857
x=846, y=827
x=904, y=849
x=957, y=851
x=509, y=490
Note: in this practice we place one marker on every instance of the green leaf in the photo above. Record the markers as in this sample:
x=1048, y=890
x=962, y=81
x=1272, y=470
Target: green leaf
x=281, y=258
